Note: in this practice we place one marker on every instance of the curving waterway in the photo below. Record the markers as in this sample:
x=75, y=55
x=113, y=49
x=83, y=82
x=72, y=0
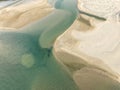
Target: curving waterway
x=26, y=58
x=89, y=45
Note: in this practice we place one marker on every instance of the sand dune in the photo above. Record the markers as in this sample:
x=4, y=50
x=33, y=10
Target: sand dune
x=89, y=48
x=19, y=15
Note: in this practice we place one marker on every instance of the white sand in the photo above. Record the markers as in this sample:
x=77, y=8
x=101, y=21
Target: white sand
x=88, y=45
x=90, y=48
x=19, y=15
x=104, y=8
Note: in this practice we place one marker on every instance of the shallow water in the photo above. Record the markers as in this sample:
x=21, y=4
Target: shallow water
x=27, y=62
x=70, y=49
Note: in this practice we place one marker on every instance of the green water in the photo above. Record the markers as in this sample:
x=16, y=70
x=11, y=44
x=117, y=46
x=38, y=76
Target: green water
x=26, y=59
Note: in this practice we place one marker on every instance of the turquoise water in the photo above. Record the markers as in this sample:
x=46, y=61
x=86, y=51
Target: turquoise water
x=26, y=59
